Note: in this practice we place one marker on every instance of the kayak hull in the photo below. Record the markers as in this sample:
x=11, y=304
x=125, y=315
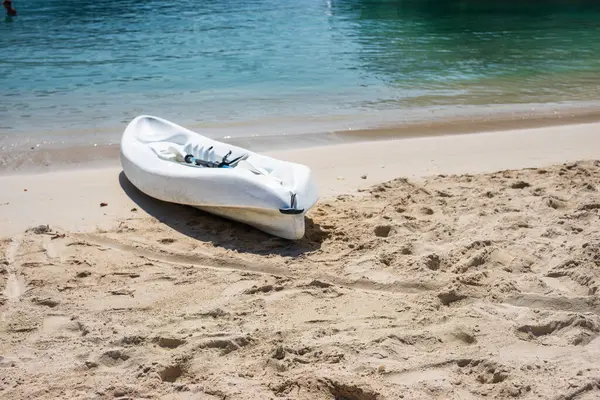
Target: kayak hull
x=269, y=194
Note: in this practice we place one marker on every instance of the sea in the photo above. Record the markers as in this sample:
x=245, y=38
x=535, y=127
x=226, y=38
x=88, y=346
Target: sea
x=77, y=71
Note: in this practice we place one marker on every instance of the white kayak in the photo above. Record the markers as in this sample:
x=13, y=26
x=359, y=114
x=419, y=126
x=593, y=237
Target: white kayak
x=174, y=164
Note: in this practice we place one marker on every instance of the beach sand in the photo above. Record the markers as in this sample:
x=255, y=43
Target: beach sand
x=451, y=267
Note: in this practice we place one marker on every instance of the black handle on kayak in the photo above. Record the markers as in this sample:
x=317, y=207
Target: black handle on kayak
x=292, y=210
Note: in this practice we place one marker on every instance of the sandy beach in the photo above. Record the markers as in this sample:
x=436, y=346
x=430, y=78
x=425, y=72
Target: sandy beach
x=447, y=267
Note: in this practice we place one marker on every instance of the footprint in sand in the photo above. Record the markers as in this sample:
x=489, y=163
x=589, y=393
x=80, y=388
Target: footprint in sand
x=15, y=284
x=50, y=248
x=61, y=325
x=11, y=250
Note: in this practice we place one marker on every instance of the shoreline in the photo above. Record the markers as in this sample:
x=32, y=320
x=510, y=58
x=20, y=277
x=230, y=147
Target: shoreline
x=49, y=158
x=71, y=198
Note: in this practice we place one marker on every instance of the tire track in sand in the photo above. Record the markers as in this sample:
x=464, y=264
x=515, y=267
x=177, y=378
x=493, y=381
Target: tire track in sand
x=209, y=261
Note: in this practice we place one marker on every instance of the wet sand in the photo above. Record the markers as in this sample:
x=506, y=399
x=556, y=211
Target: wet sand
x=49, y=156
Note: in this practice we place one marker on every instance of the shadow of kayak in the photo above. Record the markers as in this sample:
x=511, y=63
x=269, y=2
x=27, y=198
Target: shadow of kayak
x=222, y=232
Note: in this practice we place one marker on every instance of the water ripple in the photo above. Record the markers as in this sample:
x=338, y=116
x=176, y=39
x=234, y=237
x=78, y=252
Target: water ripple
x=71, y=61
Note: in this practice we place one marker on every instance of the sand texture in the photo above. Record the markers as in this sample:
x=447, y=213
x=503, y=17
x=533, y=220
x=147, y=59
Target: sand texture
x=451, y=287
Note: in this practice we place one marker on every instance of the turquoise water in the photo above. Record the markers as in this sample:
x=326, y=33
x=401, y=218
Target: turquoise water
x=84, y=68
